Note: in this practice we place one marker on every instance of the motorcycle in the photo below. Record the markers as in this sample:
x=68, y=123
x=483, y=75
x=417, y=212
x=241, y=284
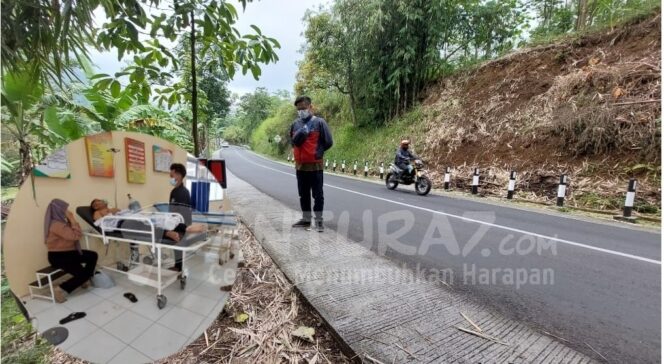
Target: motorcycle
x=418, y=176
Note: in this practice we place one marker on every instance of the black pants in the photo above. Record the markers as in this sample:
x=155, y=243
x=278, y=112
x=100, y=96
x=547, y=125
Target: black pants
x=310, y=183
x=80, y=266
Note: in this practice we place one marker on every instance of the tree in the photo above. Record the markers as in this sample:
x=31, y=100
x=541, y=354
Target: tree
x=329, y=58
x=213, y=44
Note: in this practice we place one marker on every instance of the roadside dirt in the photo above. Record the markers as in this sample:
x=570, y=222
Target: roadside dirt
x=588, y=107
x=274, y=309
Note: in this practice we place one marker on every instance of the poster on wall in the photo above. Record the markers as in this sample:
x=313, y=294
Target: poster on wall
x=54, y=166
x=135, y=159
x=162, y=159
x=98, y=148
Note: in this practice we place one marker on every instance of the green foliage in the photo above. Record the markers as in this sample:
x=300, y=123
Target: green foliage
x=19, y=344
x=558, y=17
x=377, y=143
x=351, y=142
x=382, y=53
x=278, y=124
x=253, y=109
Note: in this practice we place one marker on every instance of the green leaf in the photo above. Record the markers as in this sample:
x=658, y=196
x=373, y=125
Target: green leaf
x=255, y=71
x=241, y=317
x=99, y=75
x=115, y=89
x=256, y=29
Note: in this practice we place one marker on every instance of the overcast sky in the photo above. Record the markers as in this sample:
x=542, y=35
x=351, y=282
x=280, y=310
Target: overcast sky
x=279, y=19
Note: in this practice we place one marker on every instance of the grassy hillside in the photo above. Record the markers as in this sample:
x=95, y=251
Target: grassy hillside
x=586, y=106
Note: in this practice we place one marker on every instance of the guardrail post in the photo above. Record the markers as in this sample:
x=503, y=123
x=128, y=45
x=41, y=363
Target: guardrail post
x=476, y=181
x=562, y=188
x=334, y=166
x=355, y=168
x=511, y=185
x=343, y=166
x=629, y=199
x=366, y=169
x=446, y=179
x=326, y=163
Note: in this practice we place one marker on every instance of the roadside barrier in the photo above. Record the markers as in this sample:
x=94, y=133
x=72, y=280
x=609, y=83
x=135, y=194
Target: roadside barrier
x=446, y=179
x=476, y=181
x=511, y=184
x=562, y=188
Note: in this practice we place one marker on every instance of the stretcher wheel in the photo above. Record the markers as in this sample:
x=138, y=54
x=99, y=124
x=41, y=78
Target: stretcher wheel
x=161, y=301
x=183, y=282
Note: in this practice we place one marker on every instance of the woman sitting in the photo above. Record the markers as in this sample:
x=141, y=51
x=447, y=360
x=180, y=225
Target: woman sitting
x=61, y=235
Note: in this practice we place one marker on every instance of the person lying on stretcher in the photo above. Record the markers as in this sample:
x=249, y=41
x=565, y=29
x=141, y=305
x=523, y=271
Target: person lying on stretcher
x=168, y=229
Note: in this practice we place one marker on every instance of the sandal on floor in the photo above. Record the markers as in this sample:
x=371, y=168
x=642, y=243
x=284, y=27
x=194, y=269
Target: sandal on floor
x=72, y=316
x=130, y=296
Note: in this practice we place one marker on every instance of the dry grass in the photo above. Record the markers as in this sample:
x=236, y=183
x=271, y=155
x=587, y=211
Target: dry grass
x=588, y=108
x=274, y=310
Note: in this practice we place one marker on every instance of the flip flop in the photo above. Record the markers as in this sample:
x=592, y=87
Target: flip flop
x=72, y=316
x=130, y=296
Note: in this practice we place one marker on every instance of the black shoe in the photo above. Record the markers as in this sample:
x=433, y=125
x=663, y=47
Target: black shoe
x=319, y=226
x=303, y=223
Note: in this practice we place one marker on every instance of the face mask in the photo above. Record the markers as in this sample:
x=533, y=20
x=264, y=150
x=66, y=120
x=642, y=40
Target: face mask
x=173, y=181
x=303, y=114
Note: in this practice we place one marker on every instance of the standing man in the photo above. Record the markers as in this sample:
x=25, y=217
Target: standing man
x=310, y=137
x=179, y=202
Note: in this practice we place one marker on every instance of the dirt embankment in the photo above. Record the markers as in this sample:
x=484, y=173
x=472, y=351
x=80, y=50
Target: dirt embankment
x=588, y=107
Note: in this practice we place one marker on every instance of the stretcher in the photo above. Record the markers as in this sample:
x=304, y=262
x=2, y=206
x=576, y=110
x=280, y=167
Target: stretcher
x=210, y=218
x=148, y=274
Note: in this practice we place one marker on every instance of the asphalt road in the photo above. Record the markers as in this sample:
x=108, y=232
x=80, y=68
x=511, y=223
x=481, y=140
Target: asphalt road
x=594, y=284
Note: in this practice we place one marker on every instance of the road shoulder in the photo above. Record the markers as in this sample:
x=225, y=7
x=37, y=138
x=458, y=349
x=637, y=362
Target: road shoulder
x=381, y=310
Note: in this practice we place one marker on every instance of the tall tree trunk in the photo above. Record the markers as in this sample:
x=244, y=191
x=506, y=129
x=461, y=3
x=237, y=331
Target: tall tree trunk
x=26, y=160
x=194, y=87
x=582, y=15
x=351, y=92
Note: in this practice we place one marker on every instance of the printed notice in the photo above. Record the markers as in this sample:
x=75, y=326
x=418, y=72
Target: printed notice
x=135, y=158
x=100, y=157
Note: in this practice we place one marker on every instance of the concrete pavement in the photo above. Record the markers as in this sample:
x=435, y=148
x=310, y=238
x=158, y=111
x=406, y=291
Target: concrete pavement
x=384, y=311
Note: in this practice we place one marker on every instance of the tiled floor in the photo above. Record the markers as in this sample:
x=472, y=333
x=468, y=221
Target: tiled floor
x=116, y=330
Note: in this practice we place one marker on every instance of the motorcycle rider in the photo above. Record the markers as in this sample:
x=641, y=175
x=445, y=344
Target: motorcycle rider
x=403, y=158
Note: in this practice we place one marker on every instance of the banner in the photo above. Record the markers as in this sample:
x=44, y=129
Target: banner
x=98, y=149
x=135, y=159
x=54, y=166
x=161, y=159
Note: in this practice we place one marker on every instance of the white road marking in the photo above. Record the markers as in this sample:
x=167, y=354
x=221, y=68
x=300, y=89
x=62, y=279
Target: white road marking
x=568, y=242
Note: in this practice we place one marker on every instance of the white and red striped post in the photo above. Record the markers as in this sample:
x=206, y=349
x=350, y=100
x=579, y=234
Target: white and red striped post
x=562, y=188
x=381, y=171
x=343, y=166
x=511, y=185
x=476, y=181
x=366, y=169
x=334, y=166
x=446, y=179
x=629, y=199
